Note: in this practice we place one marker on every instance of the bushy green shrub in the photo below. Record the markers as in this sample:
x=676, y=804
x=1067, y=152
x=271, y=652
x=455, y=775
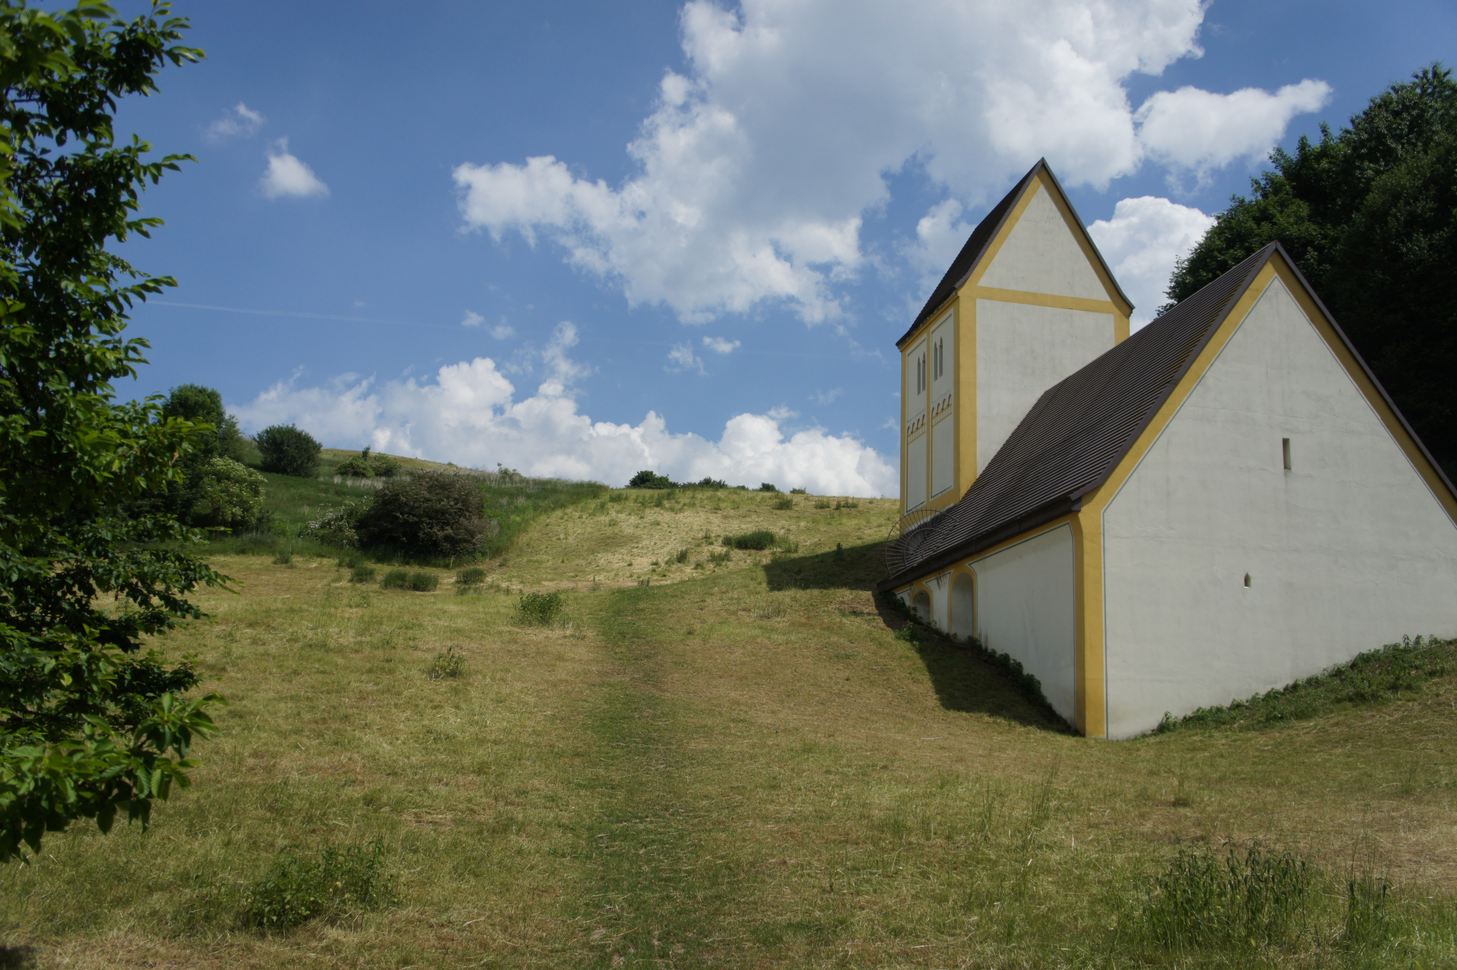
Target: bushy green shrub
x=384, y=466
x=286, y=450
x=296, y=889
x=650, y=479
x=430, y=515
x=768, y=487
x=798, y=491
x=540, y=609
x=706, y=482
x=784, y=503
x=395, y=579
x=422, y=582
x=361, y=574
x=337, y=526
x=355, y=466
x=758, y=539
x=225, y=495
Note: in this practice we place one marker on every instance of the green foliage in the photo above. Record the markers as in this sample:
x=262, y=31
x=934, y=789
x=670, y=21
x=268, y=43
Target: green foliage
x=90, y=725
x=1366, y=212
x=1369, y=920
x=284, y=557
x=384, y=466
x=768, y=487
x=226, y=495
x=682, y=556
x=783, y=503
x=204, y=405
x=650, y=479
x=362, y=573
x=758, y=539
x=706, y=482
x=355, y=467
x=540, y=609
x=469, y=579
x=1373, y=677
x=798, y=491
x=1252, y=898
x=430, y=515
x=417, y=581
x=337, y=526
x=449, y=665
x=333, y=883
x=286, y=450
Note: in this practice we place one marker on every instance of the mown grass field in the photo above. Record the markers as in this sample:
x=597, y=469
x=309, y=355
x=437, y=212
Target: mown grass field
x=731, y=763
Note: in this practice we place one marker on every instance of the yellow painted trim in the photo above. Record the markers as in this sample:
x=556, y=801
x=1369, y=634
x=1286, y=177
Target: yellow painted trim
x=1120, y=328
x=1357, y=374
x=966, y=389
x=1008, y=224
x=1080, y=233
x=1044, y=299
x=1090, y=715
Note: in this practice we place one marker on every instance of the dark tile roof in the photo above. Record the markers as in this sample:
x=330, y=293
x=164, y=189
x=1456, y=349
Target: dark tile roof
x=981, y=237
x=1076, y=433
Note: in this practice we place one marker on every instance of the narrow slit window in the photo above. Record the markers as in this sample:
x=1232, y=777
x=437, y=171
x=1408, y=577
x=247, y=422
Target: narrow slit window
x=1247, y=580
x=1285, y=452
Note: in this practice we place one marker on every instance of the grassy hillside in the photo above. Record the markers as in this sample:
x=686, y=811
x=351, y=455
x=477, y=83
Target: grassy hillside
x=733, y=763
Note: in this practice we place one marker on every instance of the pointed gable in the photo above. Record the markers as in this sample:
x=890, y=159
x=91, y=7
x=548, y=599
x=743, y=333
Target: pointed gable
x=1075, y=258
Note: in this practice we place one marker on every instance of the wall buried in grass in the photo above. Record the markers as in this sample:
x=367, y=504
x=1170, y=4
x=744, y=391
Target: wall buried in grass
x=1347, y=549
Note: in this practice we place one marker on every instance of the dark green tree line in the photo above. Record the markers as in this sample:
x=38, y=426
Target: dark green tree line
x=1369, y=214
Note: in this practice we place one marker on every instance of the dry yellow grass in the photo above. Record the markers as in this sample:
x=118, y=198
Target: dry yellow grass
x=737, y=765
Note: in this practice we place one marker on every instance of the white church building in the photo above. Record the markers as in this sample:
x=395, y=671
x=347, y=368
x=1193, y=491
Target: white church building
x=1222, y=503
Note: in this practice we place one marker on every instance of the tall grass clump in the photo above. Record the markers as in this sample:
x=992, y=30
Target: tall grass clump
x=469, y=579
x=1251, y=898
x=330, y=884
x=759, y=539
x=449, y=665
x=539, y=609
x=362, y=573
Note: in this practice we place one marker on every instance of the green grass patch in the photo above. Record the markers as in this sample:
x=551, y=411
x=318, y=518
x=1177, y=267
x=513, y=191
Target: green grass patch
x=362, y=573
x=1371, y=678
x=330, y=884
x=757, y=539
x=540, y=609
x=417, y=581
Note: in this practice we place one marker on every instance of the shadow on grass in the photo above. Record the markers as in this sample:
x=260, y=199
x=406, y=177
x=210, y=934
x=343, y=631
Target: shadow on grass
x=964, y=680
x=858, y=567
x=17, y=957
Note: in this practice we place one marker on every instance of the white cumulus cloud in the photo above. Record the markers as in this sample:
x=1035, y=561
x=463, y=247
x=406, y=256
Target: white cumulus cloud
x=1199, y=131
x=287, y=176
x=240, y=121
x=472, y=319
x=752, y=174
x=1141, y=242
x=682, y=358
x=721, y=345
x=470, y=413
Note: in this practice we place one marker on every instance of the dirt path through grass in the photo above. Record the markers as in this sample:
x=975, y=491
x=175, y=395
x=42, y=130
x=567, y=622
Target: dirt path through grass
x=658, y=892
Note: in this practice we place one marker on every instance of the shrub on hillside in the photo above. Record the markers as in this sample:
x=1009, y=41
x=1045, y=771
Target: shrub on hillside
x=384, y=466
x=337, y=526
x=650, y=479
x=430, y=515
x=286, y=450
x=768, y=487
x=539, y=609
x=225, y=495
x=355, y=466
x=758, y=539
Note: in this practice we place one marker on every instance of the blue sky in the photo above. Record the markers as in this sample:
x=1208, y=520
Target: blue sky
x=581, y=239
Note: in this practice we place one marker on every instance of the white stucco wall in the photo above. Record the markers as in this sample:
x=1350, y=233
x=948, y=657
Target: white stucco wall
x=1041, y=255
x=943, y=454
x=1021, y=351
x=915, y=471
x=1347, y=551
x=1025, y=601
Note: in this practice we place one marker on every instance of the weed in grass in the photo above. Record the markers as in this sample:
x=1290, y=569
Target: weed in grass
x=1253, y=897
x=422, y=582
x=395, y=579
x=719, y=558
x=783, y=504
x=539, y=609
x=283, y=558
x=361, y=574
x=333, y=883
x=682, y=556
x=758, y=539
x=1368, y=922
x=470, y=579
x=449, y=665
x=823, y=503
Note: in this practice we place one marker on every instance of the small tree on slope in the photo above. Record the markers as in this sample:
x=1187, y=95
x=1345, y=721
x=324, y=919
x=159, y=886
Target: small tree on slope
x=90, y=725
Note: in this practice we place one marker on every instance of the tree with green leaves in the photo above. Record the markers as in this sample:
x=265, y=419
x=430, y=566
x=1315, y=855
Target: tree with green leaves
x=204, y=405
x=287, y=450
x=1369, y=214
x=92, y=722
